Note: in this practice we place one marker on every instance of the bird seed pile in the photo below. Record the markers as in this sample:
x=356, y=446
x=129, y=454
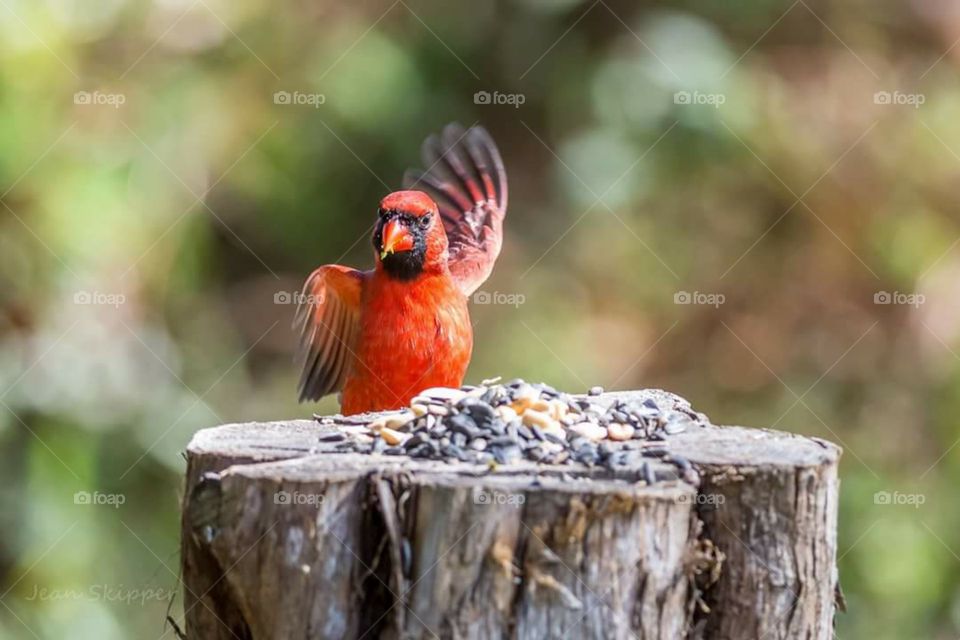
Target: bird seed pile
x=498, y=424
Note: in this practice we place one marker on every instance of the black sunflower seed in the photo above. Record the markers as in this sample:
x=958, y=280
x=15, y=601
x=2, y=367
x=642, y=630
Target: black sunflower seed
x=648, y=475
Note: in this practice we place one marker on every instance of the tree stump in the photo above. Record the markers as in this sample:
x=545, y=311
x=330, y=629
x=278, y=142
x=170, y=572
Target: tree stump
x=282, y=537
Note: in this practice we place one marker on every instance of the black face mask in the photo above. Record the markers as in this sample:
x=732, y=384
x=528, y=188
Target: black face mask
x=403, y=265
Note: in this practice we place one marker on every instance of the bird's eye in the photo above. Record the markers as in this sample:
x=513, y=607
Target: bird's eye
x=425, y=220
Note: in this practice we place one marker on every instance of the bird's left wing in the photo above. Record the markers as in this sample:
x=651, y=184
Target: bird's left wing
x=328, y=321
x=466, y=178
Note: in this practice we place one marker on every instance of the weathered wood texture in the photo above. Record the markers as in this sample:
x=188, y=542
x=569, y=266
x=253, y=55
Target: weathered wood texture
x=282, y=538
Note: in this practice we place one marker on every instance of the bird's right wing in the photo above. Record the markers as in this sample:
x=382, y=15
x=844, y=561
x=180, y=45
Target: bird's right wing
x=328, y=322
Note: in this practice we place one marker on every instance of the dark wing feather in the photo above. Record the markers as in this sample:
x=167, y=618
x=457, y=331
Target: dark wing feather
x=327, y=321
x=466, y=178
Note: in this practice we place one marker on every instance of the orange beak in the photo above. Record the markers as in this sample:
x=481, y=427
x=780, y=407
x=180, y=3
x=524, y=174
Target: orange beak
x=396, y=238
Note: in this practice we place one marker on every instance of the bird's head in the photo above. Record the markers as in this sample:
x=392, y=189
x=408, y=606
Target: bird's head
x=409, y=237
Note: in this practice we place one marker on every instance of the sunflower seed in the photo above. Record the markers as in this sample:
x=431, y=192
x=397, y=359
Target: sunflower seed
x=536, y=454
x=648, y=476
x=620, y=431
x=554, y=438
x=507, y=454
x=589, y=430
x=413, y=442
x=532, y=417
x=446, y=394
x=680, y=461
x=393, y=437
x=419, y=409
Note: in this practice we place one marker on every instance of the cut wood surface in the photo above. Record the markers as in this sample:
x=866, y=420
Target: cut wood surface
x=283, y=537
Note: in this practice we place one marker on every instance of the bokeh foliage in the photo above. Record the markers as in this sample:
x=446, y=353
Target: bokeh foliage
x=147, y=248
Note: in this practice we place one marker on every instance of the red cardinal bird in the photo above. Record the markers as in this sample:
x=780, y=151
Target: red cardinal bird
x=382, y=336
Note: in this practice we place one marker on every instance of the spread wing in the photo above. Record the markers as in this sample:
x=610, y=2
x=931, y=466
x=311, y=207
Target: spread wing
x=466, y=178
x=327, y=321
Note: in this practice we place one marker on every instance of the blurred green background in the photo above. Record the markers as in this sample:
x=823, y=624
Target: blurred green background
x=793, y=168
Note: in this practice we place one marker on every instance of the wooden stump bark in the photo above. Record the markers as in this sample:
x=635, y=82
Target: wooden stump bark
x=283, y=538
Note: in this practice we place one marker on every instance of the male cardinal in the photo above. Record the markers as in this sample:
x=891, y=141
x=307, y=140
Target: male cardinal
x=381, y=336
